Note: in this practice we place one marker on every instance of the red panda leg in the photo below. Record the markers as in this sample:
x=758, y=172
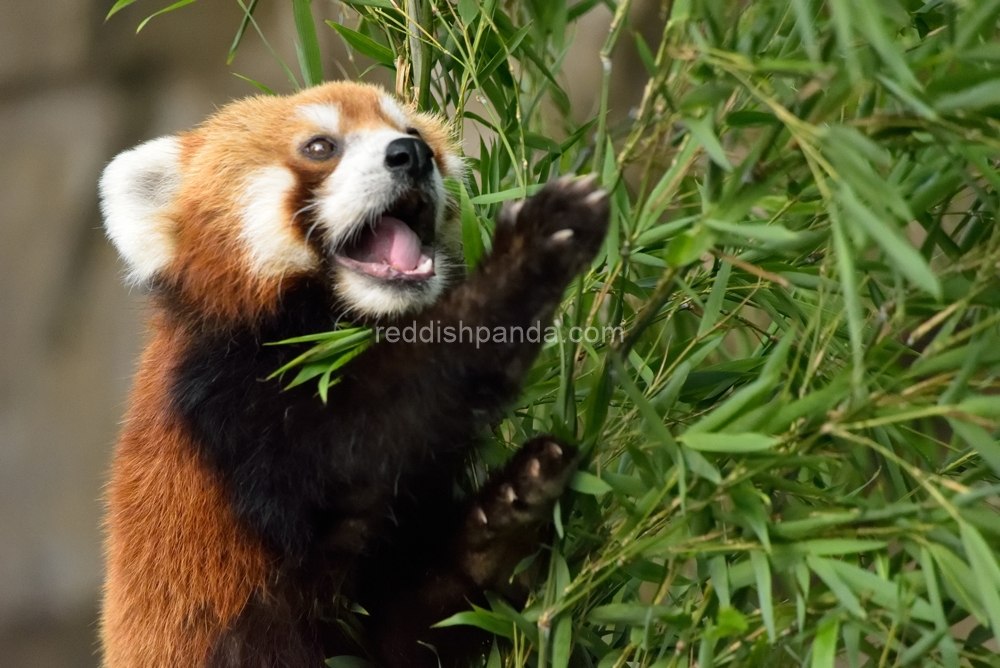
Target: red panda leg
x=180, y=564
x=502, y=525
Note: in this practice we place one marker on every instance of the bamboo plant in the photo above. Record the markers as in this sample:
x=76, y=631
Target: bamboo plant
x=791, y=450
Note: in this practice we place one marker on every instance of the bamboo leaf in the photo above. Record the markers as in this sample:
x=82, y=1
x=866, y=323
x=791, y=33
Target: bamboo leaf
x=762, y=573
x=704, y=135
x=588, y=483
x=310, y=61
x=729, y=443
x=117, y=7
x=905, y=257
x=364, y=45
x=483, y=619
x=824, y=648
x=986, y=570
x=176, y=5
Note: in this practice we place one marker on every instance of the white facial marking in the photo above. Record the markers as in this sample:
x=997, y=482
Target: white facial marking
x=455, y=166
x=361, y=187
x=326, y=117
x=275, y=247
x=137, y=189
x=394, y=112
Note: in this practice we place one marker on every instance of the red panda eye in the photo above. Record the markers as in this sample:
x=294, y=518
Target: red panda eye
x=319, y=148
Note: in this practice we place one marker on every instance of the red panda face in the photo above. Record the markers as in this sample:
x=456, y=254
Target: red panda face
x=338, y=182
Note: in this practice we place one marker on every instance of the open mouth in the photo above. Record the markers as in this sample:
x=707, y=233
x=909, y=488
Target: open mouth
x=398, y=245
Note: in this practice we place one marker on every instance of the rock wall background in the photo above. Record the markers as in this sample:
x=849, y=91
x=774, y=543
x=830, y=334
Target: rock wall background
x=74, y=91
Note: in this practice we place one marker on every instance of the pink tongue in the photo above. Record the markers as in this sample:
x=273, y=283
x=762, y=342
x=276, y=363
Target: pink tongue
x=395, y=244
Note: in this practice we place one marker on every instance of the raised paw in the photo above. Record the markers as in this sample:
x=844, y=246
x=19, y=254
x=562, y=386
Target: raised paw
x=561, y=227
x=521, y=496
x=506, y=521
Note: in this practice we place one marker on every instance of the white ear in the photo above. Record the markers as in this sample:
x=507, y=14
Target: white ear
x=137, y=188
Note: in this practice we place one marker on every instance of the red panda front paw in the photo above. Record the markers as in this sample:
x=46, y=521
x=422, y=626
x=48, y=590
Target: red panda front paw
x=522, y=495
x=560, y=228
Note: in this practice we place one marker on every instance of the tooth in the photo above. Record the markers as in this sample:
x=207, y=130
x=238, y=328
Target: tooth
x=426, y=265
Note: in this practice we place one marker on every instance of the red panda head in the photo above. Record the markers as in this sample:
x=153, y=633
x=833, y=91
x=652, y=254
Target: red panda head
x=338, y=183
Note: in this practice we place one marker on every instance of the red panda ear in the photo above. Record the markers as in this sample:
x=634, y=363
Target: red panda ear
x=137, y=190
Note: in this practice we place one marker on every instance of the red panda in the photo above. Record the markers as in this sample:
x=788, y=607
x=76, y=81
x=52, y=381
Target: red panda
x=239, y=511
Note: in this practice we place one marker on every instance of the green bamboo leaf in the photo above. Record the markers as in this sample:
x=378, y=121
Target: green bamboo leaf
x=731, y=622
x=365, y=45
x=384, y=4
x=885, y=593
x=762, y=573
x=824, y=568
x=472, y=236
x=307, y=373
x=920, y=649
x=986, y=570
x=634, y=613
x=562, y=640
x=824, y=648
x=494, y=660
x=987, y=406
x=867, y=21
x=852, y=645
x=645, y=55
x=689, y=246
x=748, y=395
x=336, y=335
x=256, y=84
x=666, y=188
x=176, y=5
x=702, y=132
x=986, y=94
x=804, y=21
x=972, y=23
x=766, y=233
x=834, y=546
x=509, y=194
x=117, y=7
x=842, y=13
x=748, y=507
x=720, y=580
x=504, y=610
x=980, y=440
x=483, y=619
x=653, y=422
x=949, y=652
x=468, y=10
x=310, y=61
x=905, y=257
x=336, y=344
x=588, y=483
x=960, y=579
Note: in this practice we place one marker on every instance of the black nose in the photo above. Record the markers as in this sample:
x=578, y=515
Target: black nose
x=411, y=156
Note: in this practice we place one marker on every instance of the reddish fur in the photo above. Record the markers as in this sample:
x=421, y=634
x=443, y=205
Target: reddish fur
x=210, y=266
x=180, y=567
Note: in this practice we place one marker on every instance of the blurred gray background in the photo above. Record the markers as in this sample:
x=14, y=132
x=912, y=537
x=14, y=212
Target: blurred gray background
x=75, y=90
